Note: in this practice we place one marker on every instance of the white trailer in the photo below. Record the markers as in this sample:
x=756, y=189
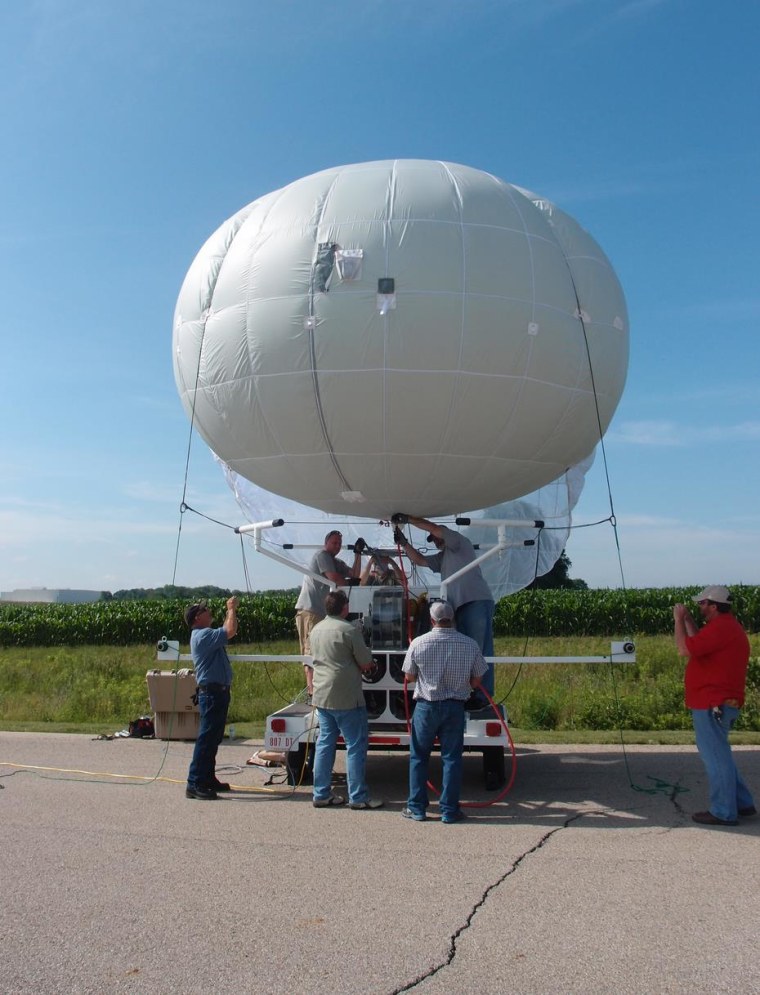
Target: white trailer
x=387, y=623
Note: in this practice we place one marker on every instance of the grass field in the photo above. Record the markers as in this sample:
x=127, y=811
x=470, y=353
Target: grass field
x=99, y=689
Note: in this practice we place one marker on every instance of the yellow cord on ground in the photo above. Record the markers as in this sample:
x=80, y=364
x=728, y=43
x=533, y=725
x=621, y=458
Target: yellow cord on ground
x=133, y=777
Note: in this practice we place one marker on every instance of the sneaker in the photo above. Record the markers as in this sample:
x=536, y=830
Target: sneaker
x=747, y=812
x=330, y=802
x=708, y=819
x=203, y=794
x=370, y=803
x=456, y=817
x=407, y=813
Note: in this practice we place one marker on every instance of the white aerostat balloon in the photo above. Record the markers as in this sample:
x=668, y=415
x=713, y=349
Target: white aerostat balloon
x=404, y=335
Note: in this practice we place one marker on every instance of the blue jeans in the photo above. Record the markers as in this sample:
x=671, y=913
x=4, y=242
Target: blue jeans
x=728, y=792
x=352, y=725
x=444, y=719
x=475, y=619
x=213, y=704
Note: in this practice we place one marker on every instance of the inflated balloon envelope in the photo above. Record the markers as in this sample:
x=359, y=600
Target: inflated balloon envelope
x=403, y=335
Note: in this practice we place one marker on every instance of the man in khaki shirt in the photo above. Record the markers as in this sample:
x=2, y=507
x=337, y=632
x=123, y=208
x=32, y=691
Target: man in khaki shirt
x=339, y=656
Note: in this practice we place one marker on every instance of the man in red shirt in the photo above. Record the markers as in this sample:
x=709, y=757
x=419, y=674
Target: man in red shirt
x=714, y=682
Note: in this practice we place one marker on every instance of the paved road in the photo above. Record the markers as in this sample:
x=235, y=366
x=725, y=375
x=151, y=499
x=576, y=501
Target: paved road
x=577, y=883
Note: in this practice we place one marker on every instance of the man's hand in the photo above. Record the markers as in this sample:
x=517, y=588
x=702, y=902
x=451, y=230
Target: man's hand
x=683, y=626
x=308, y=672
x=399, y=519
x=230, y=624
x=399, y=538
x=359, y=546
x=682, y=614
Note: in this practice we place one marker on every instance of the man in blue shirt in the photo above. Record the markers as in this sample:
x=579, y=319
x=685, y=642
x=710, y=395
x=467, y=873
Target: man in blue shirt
x=213, y=675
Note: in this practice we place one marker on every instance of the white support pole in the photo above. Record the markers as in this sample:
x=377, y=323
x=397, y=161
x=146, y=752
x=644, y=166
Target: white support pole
x=500, y=546
x=258, y=527
x=612, y=658
x=272, y=658
x=497, y=523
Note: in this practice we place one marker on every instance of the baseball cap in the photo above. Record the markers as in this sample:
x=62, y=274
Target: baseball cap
x=441, y=611
x=714, y=592
x=193, y=611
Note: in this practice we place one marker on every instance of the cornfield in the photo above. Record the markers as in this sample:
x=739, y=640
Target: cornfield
x=267, y=617
x=638, y=611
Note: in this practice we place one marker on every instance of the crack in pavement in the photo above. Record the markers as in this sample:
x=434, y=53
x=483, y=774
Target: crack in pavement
x=452, y=952
x=677, y=790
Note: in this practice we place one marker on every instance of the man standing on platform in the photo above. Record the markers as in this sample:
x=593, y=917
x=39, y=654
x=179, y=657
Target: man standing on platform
x=310, y=606
x=469, y=595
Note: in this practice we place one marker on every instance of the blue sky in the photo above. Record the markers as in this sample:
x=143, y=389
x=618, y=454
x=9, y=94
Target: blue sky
x=130, y=131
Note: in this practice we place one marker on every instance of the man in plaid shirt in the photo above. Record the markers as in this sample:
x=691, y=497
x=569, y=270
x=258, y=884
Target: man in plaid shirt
x=446, y=665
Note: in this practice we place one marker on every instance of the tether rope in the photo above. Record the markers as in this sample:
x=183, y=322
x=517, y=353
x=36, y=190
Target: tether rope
x=660, y=785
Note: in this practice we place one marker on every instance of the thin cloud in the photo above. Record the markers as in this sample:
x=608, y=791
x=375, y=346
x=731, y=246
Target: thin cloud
x=20, y=527
x=662, y=553
x=647, y=433
x=670, y=434
x=735, y=392
x=637, y=8
x=739, y=309
x=648, y=522
x=626, y=16
x=652, y=179
x=748, y=431
x=146, y=490
x=593, y=191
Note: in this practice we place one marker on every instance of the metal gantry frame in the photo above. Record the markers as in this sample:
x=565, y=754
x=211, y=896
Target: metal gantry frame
x=623, y=651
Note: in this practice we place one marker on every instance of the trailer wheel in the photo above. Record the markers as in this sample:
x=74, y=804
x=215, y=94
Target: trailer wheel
x=494, y=773
x=300, y=760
